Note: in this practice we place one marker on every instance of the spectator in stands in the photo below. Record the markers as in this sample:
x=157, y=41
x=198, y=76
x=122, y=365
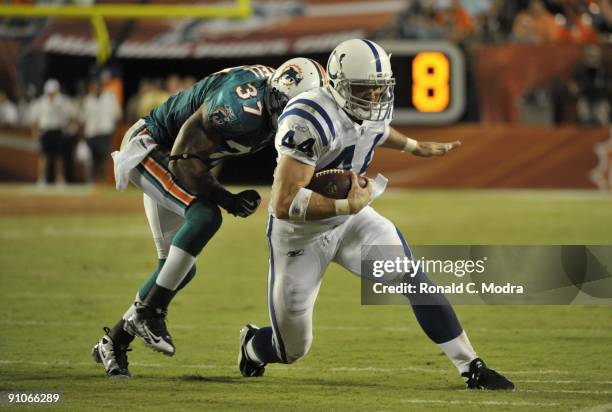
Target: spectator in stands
x=591, y=86
x=110, y=81
x=100, y=113
x=416, y=21
x=574, y=23
x=601, y=15
x=459, y=21
x=490, y=23
x=26, y=105
x=535, y=25
x=50, y=116
x=133, y=103
x=71, y=134
x=187, y=82
x=173, y=84
x=151, y=98
x=8, y=111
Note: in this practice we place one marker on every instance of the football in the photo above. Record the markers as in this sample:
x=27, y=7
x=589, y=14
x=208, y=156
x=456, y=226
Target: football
x=334, y=183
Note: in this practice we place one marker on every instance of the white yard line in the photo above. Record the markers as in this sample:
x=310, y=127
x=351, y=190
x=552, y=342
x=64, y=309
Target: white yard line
x=563, y=382
x=583, y=392
x=606, y=407
x=467, y=402
x=38, y=323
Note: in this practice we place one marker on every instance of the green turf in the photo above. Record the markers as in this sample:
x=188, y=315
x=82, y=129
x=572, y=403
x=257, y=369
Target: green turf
x=63, y=277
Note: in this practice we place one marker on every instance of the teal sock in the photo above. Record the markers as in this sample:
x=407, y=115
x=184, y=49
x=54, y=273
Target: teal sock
x=144, y=290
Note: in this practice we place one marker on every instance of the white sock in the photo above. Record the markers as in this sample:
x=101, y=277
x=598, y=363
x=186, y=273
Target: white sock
x=460, y=352
x=177, y=265
x=251, y=352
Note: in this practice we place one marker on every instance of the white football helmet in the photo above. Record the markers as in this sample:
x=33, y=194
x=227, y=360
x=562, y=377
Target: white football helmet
x=293, y=77
x=358, y=65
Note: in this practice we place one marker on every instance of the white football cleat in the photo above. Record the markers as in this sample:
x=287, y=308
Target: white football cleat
x=113, y=357
x=150, y=325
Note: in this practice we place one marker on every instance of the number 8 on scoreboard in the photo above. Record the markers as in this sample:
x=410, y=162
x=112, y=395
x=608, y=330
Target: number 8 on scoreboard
x=430, y=82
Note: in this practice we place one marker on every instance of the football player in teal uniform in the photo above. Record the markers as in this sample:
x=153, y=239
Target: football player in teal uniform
x=169, y=155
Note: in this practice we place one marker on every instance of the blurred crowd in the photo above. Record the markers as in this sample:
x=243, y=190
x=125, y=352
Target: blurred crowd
x=152, y=93
x=493, y=21
x=79, y=128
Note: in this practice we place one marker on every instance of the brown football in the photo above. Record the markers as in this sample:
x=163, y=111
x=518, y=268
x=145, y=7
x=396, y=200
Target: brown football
x=333, y=183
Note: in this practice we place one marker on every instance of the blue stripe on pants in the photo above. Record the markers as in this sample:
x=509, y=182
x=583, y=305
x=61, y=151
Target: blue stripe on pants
x=438, y=321
x=277, y=334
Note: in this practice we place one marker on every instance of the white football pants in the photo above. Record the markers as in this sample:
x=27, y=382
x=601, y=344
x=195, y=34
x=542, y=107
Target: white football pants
x=298, y=260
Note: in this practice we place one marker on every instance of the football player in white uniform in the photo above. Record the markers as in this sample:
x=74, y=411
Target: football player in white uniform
x=340, y=127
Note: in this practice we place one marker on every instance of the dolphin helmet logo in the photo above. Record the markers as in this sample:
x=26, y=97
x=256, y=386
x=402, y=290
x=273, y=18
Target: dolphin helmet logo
x=291, y=76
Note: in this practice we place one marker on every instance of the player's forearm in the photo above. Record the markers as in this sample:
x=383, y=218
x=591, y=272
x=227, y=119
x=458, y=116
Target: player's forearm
x=399, y=141
x=191, y=148
x=194, y=174
x=318, y=206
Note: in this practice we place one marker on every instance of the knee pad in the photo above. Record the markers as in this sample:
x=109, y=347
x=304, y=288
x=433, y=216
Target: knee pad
x=202, y=220
x=204, y=216
x=297, y=301
x=298, y=349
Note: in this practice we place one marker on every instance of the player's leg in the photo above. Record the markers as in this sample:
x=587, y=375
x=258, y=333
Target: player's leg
x=437, y=319
x=198, y=220
x=164, y=224
x=201, y=221
x=295, y=273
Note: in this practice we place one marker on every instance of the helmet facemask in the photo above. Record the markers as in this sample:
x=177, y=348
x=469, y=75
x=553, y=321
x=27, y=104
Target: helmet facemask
x=361, y=80
x=275, y=101
x=364, y=108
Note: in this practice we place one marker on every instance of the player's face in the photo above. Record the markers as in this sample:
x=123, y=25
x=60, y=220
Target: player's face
x=369, y=93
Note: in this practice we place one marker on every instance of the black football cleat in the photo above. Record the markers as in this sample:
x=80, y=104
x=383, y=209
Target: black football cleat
x=248, y=368
x=481, y=377
x=150, y=325
x=112, y=356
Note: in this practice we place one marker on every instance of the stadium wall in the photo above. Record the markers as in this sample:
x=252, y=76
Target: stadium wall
x=492, y=156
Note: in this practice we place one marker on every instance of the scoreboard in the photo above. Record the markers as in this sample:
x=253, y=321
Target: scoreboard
x=430, y=82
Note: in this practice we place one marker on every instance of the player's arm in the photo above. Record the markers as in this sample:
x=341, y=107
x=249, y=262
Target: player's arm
x=191, y=148
x=399, y=141
x=291, y=200
x=195, y=142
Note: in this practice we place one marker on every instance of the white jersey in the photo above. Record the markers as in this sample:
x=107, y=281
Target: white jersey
x=315, y=130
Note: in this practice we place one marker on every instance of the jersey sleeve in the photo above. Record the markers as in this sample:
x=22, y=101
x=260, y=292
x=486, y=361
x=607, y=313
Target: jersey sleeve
x=385, y=133
x=298, y=138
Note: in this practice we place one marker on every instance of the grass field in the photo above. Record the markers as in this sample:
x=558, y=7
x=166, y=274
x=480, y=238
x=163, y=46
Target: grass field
x=71, y=262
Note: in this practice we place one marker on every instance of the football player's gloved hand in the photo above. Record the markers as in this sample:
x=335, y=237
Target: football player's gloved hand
x=243, y=204
x=246, y=203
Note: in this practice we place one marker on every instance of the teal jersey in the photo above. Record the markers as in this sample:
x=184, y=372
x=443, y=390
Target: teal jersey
x=235, y=109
